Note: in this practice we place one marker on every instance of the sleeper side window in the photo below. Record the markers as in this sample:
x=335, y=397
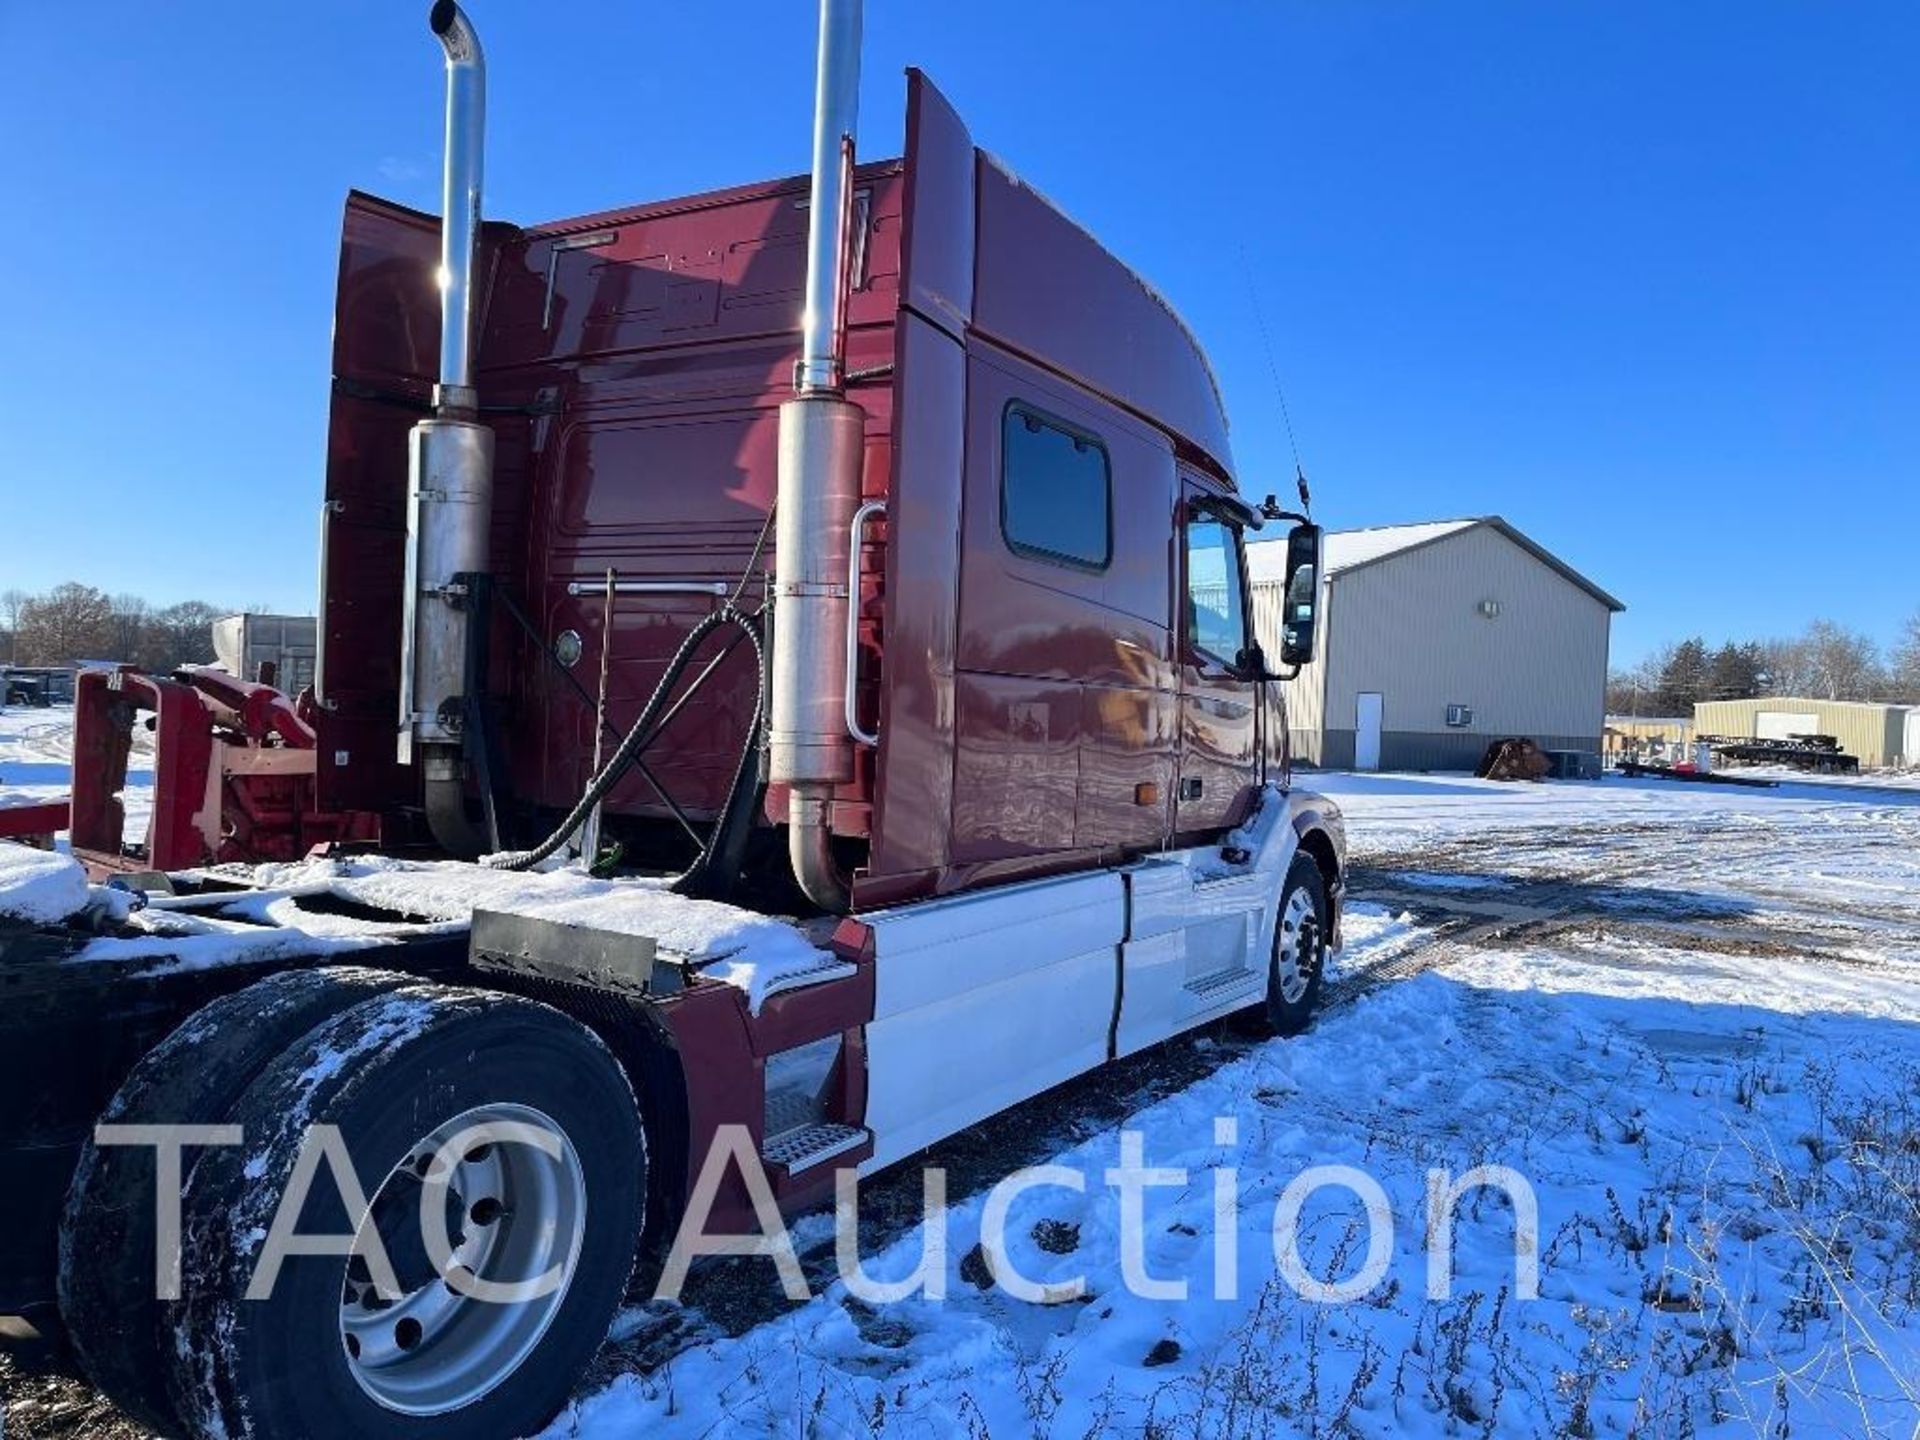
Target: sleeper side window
x=1216, y=603
x=1056, y=491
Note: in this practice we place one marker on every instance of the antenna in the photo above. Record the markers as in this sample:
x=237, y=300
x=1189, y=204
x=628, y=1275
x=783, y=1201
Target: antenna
x=1273, y=370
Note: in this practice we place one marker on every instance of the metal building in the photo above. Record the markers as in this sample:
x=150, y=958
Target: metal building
x=1435, y=639
x=242, y=643
x=1877, y=735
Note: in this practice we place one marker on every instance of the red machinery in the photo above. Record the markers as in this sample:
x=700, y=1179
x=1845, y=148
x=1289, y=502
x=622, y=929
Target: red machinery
x=233, y=773
x=36, y=824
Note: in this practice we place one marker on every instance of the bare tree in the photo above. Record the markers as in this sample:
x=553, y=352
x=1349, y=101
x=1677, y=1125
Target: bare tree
x=1789, y=667
x=1846, y=663
x=129, y=624
x=1827, y=662
x=77, y=622
x=1623, y=693
x=12, y=604
x=179, y=635
x=70, y=622
x=1636, y=690
x=1903, y=665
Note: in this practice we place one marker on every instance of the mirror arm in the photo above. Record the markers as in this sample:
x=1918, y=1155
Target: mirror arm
x=1230, y=509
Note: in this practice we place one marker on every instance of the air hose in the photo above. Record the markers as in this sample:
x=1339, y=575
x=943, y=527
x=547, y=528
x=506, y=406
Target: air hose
x=638, y=738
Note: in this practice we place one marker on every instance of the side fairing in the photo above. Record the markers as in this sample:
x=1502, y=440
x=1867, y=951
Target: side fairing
x=385, y=346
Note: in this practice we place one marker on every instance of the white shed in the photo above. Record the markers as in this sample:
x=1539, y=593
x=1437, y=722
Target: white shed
x=1436, y=638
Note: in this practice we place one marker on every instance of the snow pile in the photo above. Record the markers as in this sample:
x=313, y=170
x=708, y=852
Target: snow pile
x=1371, y=934
x=1254, y=837
x=175, y=941
x=1253, y=833
x=39, y=886
x=738, y=947
x=752, y=952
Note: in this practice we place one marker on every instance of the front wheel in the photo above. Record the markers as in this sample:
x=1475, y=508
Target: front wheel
x=1299, y=958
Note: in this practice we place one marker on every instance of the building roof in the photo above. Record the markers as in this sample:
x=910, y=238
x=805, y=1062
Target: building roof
x=1346, y=550
x=1808, y=702
x=1350, y=549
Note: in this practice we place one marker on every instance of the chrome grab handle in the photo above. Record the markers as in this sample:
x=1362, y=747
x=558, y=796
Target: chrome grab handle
x=651, y=587
x=868, y=511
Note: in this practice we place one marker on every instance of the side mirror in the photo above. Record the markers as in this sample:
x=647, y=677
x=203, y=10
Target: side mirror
x=1301, y=604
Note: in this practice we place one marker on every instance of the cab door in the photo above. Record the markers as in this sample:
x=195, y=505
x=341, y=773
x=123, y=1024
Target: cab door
x=1219, y=759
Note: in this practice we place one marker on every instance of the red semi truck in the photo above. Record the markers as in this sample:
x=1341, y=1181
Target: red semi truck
x=862, y=549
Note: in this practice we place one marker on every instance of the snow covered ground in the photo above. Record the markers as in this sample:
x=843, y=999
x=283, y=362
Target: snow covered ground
x=36, y=762
x=1865, y=780
x=1689, y=1017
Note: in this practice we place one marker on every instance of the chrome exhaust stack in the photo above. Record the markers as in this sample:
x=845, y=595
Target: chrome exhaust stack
x=822, y=447
x=450, y=469
x=836, y=117
x=465, y=155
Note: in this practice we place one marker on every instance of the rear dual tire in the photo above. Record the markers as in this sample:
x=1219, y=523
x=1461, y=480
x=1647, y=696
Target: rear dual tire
x=108, y=1300
x=557, y=1194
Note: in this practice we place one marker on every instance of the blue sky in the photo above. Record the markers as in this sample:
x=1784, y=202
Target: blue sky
x=1642, y=277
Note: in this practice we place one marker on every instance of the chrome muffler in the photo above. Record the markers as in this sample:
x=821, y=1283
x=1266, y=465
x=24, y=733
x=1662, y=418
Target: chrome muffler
x=450, y=467
x=822, y=447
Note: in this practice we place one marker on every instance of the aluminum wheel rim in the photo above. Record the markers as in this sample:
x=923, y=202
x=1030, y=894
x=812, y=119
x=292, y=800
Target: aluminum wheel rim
x=1297, y=952
x=516, y=1215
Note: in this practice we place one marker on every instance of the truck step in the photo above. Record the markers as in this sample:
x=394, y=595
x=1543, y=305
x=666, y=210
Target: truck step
x=801, y=1149
x=1219, y=982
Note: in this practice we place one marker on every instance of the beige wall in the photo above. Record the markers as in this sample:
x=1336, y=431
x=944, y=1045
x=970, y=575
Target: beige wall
x=1873, y=733
x=1409, y=628
x=1303, y=693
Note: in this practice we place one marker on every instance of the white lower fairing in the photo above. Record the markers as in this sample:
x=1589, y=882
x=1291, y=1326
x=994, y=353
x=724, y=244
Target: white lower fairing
x=1201, y=928
x=985, y=999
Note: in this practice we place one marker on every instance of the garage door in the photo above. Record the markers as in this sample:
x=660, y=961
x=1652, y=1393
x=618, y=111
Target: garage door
x=1910, y=749
x=1779, y=724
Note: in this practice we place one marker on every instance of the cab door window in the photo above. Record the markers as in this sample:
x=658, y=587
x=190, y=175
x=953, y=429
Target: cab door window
x=1216, y=593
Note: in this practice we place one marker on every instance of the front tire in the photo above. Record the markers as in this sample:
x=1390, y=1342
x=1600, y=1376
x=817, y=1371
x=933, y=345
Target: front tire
x=549, y=1197
x=1298, y=961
